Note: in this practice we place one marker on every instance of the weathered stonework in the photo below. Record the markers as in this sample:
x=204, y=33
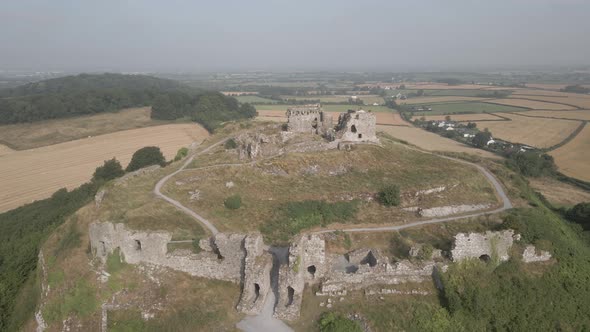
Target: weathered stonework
x=307, y=256
x=356, y=126
x=256, y=284
x=223, y=262
x=256, y=145
x=530, y=255
x=308, y=119
x=483, y=245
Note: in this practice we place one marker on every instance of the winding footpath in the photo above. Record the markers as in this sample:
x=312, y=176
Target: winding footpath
x=177, y=204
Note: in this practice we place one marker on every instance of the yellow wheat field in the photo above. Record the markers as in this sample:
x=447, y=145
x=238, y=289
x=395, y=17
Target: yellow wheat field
x=573, y=158
x=35, y=174
x=537, y=132
x=532, y=104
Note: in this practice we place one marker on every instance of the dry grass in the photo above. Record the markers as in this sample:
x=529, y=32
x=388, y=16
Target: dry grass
x=44, y=133
x=37, y=173
x=440, y=99
x=541, y=133
x=432, y=142
x=559, y=193
x=575, y=99
x=263, y=190
x=573, y=115
x=573, y=158
x=532, y=104
x=464, y=117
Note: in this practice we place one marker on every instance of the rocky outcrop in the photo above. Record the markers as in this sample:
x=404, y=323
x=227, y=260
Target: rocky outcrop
x=443, y=211
x=257, y=145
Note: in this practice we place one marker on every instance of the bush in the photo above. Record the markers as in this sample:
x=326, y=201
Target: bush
x=233, y=202
x=148, y=156
x=532, y=164
x=230, y=144
x=111, y=169
x=389, y=196
x=580, y=214
x=332, y=322
x=182, y=152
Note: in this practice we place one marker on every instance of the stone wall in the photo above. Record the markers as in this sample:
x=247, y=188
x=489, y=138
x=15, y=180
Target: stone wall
x=356, y=126
x=256, y=284
x=222, y=260
x=484, y=246
x=304, y=119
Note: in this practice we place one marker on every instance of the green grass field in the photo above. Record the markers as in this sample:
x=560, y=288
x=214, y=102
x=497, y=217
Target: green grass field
x=461, y=92
x=468, y=107
x=254, y=99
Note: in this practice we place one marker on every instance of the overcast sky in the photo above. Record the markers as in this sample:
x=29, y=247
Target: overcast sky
x=150, y=35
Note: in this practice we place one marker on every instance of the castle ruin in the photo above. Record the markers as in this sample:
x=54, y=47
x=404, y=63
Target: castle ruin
x=352, y=127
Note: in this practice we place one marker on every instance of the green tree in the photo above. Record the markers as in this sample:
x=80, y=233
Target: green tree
x=147, y=156
x=182, y=152
x=389, y=195
x=580, y=214
x=111, y=169
x=482, y=138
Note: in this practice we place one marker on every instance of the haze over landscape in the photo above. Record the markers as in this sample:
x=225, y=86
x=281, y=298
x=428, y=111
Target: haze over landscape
x=294, y=166
x=180, y=35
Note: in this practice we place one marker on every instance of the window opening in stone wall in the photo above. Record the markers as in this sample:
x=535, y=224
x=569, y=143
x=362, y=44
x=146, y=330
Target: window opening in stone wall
x=485, y=258
x=256, y=292
x=137, y=245
x=311, y=269
x=290, y=295
x=353, y=128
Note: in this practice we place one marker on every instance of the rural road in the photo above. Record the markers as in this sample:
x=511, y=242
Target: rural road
x=177, y=204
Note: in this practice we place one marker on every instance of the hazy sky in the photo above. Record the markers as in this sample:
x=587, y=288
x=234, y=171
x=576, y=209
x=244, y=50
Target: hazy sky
x=151, y=35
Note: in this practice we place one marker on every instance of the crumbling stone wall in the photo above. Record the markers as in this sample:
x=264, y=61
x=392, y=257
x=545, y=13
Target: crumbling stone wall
x=256, y=145
x=356, y=126
x=222, y=259
x=308, y=119
x=483, y=245
x=530, y=255
x=307, y=256
x=256, y=284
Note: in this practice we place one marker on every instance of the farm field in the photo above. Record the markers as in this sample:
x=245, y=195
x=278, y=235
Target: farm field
x=326, y=108
x=432, y=142
x=461, y=92
x=468, y=107
x=5, y=150
x=574, y=99
x=37, y=173
x=436, y=99
x=573, y=158
x=368, y=99
x=43, y=133
x=541, y=133
x=559, y=193
x=465, y=117
x=544, y=86
x=532, y=104
x=444, y=86
x=573, y=115
x=254, y=99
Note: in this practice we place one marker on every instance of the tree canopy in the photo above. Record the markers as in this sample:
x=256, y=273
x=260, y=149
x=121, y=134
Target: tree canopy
x=148, y=156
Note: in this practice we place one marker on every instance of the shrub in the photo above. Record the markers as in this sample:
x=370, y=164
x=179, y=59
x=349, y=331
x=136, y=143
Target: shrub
x=233, y=202
x=111, y=169
x=230, y=144
x=532, y=164
x=426, y=252
x=389, y=195
x=580, y=214
x=182, y=152
x=150, y=155
x=196, y=247
x=332, y=322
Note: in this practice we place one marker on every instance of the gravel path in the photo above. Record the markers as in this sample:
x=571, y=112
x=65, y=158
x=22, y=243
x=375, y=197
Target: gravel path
x=177, y=204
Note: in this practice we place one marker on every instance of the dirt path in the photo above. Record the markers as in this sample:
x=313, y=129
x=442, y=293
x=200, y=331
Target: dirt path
x=177, y=204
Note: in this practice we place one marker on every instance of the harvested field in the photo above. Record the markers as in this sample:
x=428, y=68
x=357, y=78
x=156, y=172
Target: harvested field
x=573, y=99
x=326, y=108
x=539, y=93
x=37, y=173
x=532, y=104
x=368, y=99
x=443, y=86
x=573, y=115
x=559, y=193
x=463, y=107
x=573, y=158
x=32, y=135
x=465, y=117
x=432, y=142
x=438, y=99
x=544, y=86
x=541, y=133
